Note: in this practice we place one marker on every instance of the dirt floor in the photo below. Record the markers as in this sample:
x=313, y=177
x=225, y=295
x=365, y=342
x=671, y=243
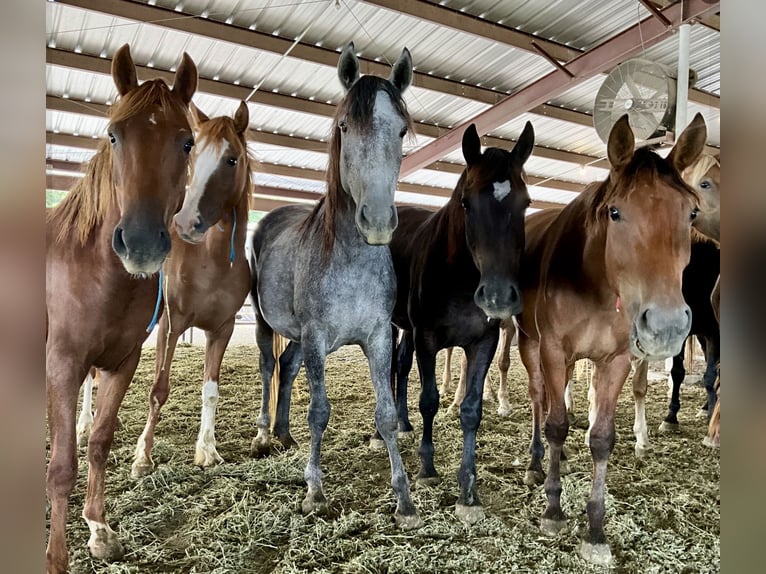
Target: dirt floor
x=244, y=515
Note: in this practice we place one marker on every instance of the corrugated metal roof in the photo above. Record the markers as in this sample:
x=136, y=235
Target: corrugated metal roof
x=379, y=34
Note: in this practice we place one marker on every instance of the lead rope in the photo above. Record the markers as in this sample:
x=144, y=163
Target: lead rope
x=156, y=315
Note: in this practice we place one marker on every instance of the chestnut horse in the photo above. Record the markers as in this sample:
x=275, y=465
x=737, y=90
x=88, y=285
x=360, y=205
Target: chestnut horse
x=105, y=242
x=602, y=280
x=457, y=272
x=323, y=276
x=208, y=277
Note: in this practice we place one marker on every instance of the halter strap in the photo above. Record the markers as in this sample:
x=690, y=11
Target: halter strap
x=153, y=322
x=233, y=229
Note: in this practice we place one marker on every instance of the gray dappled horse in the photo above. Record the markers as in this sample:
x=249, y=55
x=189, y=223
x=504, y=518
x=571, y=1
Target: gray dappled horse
x=323, y=277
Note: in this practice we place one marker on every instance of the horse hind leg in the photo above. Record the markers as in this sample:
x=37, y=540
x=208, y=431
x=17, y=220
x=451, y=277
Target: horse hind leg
x=677, y=373
x=205, y=452
x=104, y=543
x=264, y=336
x=289, y=364
x=530, y=357
x=503, y=365
x=85, y=420
x=454, y=408
x=446, y=387
x=378, y=349
x=158, y=395
x=640, y=429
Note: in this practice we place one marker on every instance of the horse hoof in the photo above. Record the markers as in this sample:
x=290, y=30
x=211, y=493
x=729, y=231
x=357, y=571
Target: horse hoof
x=551, y=527
x=641, y=451
x=564, y=467
x=142, y=468
x=312, y=504
x=504, y=410
x=377, y=443
x=406, y=435
x=287, y=441
x=596, y=553
x=259, y=448
x=667, y=427
x=105, y=545
x=469, y=514
x=205, y=458
x=408, y=521
x=712, y=442
x=427, y=481
x=534, y=477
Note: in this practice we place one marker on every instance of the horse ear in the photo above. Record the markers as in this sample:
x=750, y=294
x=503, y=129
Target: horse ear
x=185, y=83
x=689, y=144
x=241, y=118
x=524, y=145
x=124, y=71
x=471, y=145
x=198, y=116
x=621, y=144
x=348, y=66
x=401, y=73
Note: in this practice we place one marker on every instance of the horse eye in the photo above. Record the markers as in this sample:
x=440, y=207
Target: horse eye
x=343, y=127
x=694, y=213
x=705, y=184
x=464, y=203
x=614, y=213
x=403, y=132
x=112, y=139
x=188, y=145
x=232, y=161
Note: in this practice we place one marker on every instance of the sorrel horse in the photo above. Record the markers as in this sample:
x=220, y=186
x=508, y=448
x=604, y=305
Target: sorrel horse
x=208, y=276
x=323, y=277
x=105, y=242
x=457, y=272
x=602, y=280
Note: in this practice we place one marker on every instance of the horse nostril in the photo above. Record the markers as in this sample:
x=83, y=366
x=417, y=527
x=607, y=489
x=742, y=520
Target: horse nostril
x=118, y=242
x=164, y=240
x=481, y=291
x=514, y=294
x=199, y=226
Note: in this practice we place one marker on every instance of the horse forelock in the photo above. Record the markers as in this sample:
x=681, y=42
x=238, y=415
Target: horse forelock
x=149, y=94
x=695, y=172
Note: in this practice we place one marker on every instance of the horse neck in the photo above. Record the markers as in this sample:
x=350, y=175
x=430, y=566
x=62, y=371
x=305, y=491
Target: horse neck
x=450, y=230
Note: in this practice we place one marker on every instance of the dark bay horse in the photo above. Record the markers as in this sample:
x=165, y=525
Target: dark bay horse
x=207, y=274
x=457, y=271
x=602, y=280
x=105, y=242
x=323, y=277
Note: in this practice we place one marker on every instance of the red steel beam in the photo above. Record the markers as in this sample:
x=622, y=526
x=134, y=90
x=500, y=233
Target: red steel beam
x=602, y=58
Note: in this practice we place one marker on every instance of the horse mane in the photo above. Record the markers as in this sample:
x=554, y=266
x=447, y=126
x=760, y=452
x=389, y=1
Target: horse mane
x=357, y=107
x=220, y=129
x=86, y=204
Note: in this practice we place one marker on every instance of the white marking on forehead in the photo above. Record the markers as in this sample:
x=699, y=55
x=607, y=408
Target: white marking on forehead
x=205, y=163
x=152, y=120
x=502, y=188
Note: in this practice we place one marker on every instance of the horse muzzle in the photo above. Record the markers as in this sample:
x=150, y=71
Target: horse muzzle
x=498, y=299
x=141, y=248
x=659, y=332
x=192, y=230
x=377, y=226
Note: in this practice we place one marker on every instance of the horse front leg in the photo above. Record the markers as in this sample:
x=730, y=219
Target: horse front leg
x=104, y=543
x=264, y=337
x=63, y=378
x=677, y=374
x=425, y=354
x=205, y=453
x=607, y=382
x=507, y=330
x=640, y=429
x=167, y=339
x=378, y=351
x=479, y=356
x=403, y=361
x=314, y=354
x=712, y=357
x=529, y=351
x=447, y=373
x=289, y=364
